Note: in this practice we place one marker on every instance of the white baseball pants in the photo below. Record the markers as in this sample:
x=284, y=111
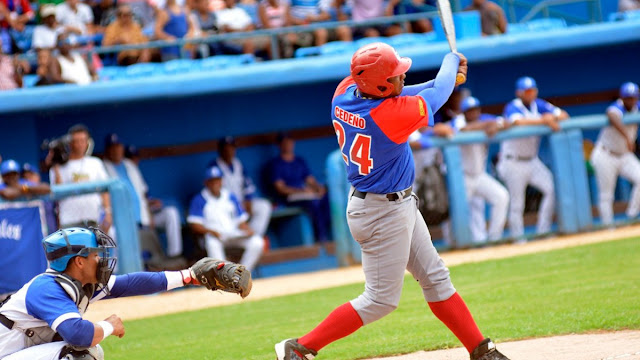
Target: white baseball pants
x=260, y=215
x=517, y=174
x=486, y=188
x=394, y=237
x=49, y=351
x=169, y=219
x=607, y=167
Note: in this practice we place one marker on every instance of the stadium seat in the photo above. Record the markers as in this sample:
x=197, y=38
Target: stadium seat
x=411, y=39
x=307, y=51
x=29, y=81
x=546, y=24
x=143, y=70
x=223, y=61
x=180, y=66
x=108, y=73
x=517, y=28
x=369, y=40
x=338, y=48
x=631, y=15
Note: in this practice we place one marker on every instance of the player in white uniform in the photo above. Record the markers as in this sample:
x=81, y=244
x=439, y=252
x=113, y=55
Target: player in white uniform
x=239, y=184
x=613, y=155
x=479, y=185
x=519, y=164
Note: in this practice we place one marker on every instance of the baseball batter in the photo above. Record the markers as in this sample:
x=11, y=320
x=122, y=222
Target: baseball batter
x=373, y=115
x=479, y=184
x=613, y=155
x=519, y=165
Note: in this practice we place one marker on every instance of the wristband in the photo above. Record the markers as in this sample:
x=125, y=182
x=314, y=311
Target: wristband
x=186, y=276
x=107, y=328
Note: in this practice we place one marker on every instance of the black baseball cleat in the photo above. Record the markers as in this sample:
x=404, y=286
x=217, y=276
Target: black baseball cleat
x=291, y=349
x=486, y=350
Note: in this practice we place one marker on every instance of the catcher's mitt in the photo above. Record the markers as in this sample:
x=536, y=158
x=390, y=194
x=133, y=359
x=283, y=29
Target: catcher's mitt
x=222, y=275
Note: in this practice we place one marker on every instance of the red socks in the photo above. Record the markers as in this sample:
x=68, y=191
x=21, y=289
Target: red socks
x=454, y=313
x=341, y=322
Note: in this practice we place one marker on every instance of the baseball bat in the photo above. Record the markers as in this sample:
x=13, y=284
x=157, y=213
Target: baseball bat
x=446, y=17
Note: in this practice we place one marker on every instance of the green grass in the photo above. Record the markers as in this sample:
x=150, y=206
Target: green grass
x=575, y=290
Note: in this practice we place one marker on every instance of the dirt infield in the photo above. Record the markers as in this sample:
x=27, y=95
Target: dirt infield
x=618, y=345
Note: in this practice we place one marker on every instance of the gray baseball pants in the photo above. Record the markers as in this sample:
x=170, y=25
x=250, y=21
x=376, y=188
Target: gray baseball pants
x=394, y=237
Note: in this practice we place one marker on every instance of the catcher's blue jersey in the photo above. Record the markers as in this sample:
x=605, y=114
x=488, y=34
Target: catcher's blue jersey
x=372, y=135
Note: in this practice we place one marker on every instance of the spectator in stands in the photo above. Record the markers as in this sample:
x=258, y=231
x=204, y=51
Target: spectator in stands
x=398, y=7
x=88, y=209
x=104, y=13
x=362, y=10
x=172, y=23
x=296, y=186
x=205, y=24
x=236, y=19
x=125, y=31
x=71, y=67
x=628, y=5
x=45, y=36
x=274, y=15
x=119, y=167
x=11, y=70
x=14, y=14
x=216, y=214
x=75, y=16
x=13, y=187
x=494, y=21
x=45, y=69
x=236, y=181
x=304, y=12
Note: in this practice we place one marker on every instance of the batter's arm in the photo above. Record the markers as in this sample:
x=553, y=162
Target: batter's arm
x=443, y=84
x=450, y=61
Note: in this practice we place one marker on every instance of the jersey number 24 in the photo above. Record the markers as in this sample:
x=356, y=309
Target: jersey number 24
x=359, y=151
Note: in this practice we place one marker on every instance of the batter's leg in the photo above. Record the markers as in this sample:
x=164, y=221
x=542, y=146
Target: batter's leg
x=515, y=175
x=429, y=270
x=261, y=214
x=630, y=170
x=605, y=168
x=542, y=179
x=498, y=196
x=383, y=229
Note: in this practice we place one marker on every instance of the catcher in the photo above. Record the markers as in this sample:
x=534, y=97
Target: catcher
x=43, y=320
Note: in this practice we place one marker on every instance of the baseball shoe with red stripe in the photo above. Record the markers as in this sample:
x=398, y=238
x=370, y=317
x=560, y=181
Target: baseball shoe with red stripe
x=291, y=349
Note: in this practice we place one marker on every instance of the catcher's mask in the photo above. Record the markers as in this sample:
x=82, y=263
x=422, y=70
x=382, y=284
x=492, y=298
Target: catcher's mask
x=65, y=244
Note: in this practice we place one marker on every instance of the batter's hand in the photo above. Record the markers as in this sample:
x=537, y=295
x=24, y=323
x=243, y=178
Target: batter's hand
x=118, y=326
x=462, y=66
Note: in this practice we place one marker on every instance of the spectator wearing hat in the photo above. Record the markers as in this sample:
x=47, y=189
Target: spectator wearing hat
x=296, y=186
x=45, y=36
x=119, y=167
x=236, y=181
x=13, y=187
x=216, y=214
x=88, y=209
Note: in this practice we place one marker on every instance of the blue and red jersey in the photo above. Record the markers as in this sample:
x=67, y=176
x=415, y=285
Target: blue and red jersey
x=372, y=135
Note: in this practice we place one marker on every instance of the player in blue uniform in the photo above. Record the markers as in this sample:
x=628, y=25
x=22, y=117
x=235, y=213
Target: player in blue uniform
x=373, y=114
x=43, y=320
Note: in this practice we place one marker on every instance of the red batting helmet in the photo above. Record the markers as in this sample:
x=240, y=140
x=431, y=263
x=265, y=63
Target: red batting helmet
x=373, y=64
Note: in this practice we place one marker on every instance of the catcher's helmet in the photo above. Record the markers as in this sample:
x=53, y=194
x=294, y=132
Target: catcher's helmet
x=373, y=64
x=64, y=244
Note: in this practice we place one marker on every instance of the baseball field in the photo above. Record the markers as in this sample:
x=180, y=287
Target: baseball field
x=574, y=297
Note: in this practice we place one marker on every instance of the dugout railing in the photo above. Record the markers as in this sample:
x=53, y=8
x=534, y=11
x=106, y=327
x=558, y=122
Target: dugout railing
x=573, y=197
x=126, y=231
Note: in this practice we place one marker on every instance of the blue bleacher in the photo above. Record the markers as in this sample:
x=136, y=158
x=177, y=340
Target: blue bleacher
x=143, y=70
x=517, y=28
x=29, y=81
x=338, y=48
x=627, y=15
x=307, y=51
x=180, y=66
x=410, y=39
x=369, y=40
x=546, y=24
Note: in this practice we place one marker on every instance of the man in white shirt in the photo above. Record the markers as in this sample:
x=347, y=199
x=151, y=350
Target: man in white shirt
x=216, y=214
x=45, y=36
x=119, y=167
x=88, y=209
x=236, y=19
x=75, y=16
x=239, y=184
